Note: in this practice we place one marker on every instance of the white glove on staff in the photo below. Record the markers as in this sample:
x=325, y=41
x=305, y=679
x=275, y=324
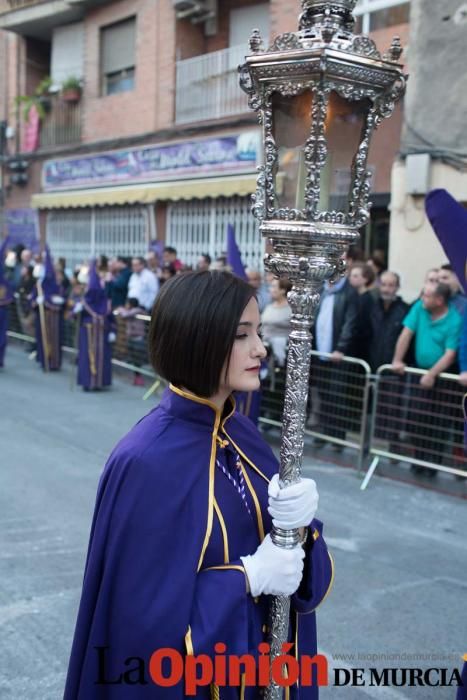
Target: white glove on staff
x=273, y=570
x=78, y=308
x=111, y=337
x=293, y=506
x=39, y=299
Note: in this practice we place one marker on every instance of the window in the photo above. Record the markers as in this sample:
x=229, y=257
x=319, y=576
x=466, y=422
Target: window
x=200, y=226
x=118, y=47
x=378, y=14
x=81, y=234
x=243, y=19
x=67, y=58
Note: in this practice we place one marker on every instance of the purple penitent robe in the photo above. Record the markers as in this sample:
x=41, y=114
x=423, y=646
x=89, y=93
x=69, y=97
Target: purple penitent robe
x=6, y=297
x=94, y=350
x=163, y=570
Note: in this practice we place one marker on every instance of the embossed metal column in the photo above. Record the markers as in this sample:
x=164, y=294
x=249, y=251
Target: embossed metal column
x=319, y=94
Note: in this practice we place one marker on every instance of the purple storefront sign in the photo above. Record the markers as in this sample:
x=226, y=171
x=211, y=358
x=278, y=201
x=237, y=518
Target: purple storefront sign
x=22, y=226
x=191, y=159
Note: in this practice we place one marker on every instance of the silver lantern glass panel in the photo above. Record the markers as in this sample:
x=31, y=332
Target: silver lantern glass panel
x=319, y=94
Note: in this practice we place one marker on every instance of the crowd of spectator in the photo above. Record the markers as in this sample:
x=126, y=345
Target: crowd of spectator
x=361, y=315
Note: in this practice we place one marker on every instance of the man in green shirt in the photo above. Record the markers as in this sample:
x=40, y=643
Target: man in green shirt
x=436, y=326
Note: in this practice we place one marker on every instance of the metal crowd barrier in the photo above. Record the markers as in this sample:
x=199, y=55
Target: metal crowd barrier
x=422, y=426
x=338, y=401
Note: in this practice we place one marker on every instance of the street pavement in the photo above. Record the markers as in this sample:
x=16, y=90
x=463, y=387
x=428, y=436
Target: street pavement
x=400, y=551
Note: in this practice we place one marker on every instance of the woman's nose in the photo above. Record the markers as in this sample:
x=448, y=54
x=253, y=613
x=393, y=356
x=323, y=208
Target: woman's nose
x=259, y=349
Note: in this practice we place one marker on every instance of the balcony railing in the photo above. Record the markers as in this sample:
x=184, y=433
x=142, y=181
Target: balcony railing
x=207, y=86
x=62, y=125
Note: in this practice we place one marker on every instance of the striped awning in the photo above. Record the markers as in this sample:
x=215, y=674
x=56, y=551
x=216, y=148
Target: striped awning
x=147, y=193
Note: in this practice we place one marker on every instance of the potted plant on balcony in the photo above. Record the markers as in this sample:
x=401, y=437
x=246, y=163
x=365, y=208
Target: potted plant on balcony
x=71, y=89
x=40, y=98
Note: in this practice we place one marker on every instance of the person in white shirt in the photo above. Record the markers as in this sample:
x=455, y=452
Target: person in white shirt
x=143, y=284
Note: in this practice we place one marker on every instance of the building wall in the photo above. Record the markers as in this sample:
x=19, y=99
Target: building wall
x=150, y=105
x=414, y=247
x=436, y=102
x=284, y=16
x=435, y=108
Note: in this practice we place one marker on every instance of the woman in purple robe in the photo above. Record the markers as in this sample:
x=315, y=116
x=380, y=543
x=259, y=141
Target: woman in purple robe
x=6, y=297
x=180, y=561
x=48, y=301
x=96, y=333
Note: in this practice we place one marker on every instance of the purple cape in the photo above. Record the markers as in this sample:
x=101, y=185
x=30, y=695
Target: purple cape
x=163, y=566
x=449, y=221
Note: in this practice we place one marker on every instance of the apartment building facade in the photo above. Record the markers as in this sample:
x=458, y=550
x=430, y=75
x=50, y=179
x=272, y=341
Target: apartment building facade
x=156, y=141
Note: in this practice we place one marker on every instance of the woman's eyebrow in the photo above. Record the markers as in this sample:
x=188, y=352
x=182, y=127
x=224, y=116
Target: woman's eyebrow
x=245, y=323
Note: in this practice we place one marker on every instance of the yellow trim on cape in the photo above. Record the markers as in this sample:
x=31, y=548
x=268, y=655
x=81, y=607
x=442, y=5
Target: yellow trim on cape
x=212, y=460
x=189, y=643
x=224, y=531
x=221, y=567
x=242, y=454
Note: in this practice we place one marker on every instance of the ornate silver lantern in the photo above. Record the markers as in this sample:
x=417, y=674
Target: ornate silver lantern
x=319, y=94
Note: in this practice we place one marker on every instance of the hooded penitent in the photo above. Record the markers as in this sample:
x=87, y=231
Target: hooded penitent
x=6, y=288
x=449, y=221
x=96, y=298
x=50, y=285
x=6, y=297
x=49, y=317
x=94, y=349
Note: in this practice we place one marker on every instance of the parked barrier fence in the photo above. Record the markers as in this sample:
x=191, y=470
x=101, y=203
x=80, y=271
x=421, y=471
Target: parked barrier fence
x=380, y=415
x=337, y=405
x=417, y=424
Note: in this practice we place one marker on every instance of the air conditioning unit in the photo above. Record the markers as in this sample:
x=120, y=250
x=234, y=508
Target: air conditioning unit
x=197, y=11
x=188, y=8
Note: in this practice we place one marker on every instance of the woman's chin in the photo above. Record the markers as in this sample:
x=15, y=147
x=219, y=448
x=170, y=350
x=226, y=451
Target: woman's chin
x=252, y=384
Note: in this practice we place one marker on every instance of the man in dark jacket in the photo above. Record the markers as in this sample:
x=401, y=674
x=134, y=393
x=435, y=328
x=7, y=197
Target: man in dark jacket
x=386, y=317
x=116, y=285
x=335, y=333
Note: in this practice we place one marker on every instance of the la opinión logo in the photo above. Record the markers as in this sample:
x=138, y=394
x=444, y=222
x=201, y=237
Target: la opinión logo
x=167, y=667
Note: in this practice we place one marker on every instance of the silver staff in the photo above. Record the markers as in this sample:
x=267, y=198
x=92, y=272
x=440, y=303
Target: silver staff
x=319, y=94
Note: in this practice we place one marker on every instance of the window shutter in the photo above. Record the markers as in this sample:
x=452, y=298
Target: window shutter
x=67, y=52
x=118, y=46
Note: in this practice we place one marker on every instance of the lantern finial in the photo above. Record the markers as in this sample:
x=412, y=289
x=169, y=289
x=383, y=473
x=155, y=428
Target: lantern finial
x=337, y=13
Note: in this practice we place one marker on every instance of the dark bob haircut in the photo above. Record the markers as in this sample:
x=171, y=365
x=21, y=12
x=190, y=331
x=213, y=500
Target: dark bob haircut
x=193, y=327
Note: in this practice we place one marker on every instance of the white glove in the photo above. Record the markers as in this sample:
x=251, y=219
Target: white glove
x=78, y=308
x=111, y=337
x=40, y=299
x=293, y=506
x=57, y=299
x=273, y=570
